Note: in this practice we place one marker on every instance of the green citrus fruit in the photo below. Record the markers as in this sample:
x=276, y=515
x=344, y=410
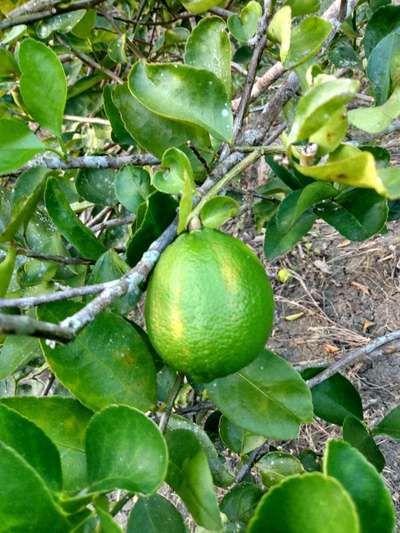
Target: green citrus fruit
x=209, y=305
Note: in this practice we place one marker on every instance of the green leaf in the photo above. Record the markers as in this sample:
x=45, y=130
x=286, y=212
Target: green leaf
x=237, y=439
x=343, y=54
x=16, y=351
x=17, y=145
x=111, y=362
x=356, y=434
x=61, y=23
x=184, y=93
x=335, y=398
x=347, y=165
x=244, y=26
x=32, y=444
x=125, y=450
x=199, y=6
x=329, y=137
x=307, y=40
x=185, y=205
x=132, y=187
x=391, y=181
x=357, y=214
x=363, y=483
x=267, y=397
x=318, y=105
x=152, y=218
x=309, y=503
x=96, y=185
x=153, y=132
x=239, y=504
x=86, y=24
x=276, y=466
x=107, y=523
x=303, y=7
x=279, y=30
x=177, y=171
x=6, y=270
x=220, y=473
x=8, y=65
x=25, y=502
x=27, y=192
x=390, y=425
x=147, y=512
x=218, y=210
x=381, y=23
x=119, y=133
x=209, y=48
x=376, y=119
x=108, y=267
x=69, y=224
x=64, y=421
x=379, y=69
x=189, y=476
x=43, y=84
x=294, y=218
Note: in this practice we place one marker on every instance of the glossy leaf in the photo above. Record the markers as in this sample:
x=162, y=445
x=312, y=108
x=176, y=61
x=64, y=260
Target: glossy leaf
x=209, y=48
x=218, y=210
x=307, y=40
x=17, y=144
x=189, y=476
x=96, y=185
x=267, y=397
x=153, y=132
x=184, y=93
x=376, y=119
x=279, y=30
x=303, y=7
x=318, y=105
x=294, y=218
x=390, y=425
x=43, y=84
x=199, y=6
x=237, y=439
x=363, y=483
x=17, y=350
x=152, y=218
x=147, y=512
x=69, y=224
x=357, y=214
x=8, y=66
x=311, y=502
x=63, y=23
x=175, y=171
x=64, y=421
x=381, y=23
x=25, y=501
x=239, y=504
x=108, y=267
x=132, y=187
x=276, y=466
x=125, y=450
x=379, y=69
x=27, y=192
x=356, y=434
x=106, y=522
x=119, y=133
x=335, y=398
x=6, y=270
x=32, y=444
x=112, y=364
x=220, y=473
x=244, y=26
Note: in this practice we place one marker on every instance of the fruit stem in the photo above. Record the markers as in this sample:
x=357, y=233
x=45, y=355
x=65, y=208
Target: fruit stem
x=220, y=184
x=173, y=394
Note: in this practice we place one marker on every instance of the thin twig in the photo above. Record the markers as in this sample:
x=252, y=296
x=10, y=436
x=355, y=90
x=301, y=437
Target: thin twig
x=173, y=394
x=254, y=456
x=25, y=325
x=53, y=258
x=353, y=356
x=113, y=223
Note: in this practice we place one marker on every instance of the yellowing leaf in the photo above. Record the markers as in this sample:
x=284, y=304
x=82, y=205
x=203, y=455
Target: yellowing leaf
x=376, y=119
x=200, y=6
x=279, y=30
x=329, y=137
x=347, y=165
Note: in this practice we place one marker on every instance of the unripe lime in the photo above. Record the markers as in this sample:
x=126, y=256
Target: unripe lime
x=209, y=305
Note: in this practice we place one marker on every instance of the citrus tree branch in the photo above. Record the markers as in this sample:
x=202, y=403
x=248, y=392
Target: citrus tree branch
x=354, y=355
x=50, y=11
x=25, y=325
